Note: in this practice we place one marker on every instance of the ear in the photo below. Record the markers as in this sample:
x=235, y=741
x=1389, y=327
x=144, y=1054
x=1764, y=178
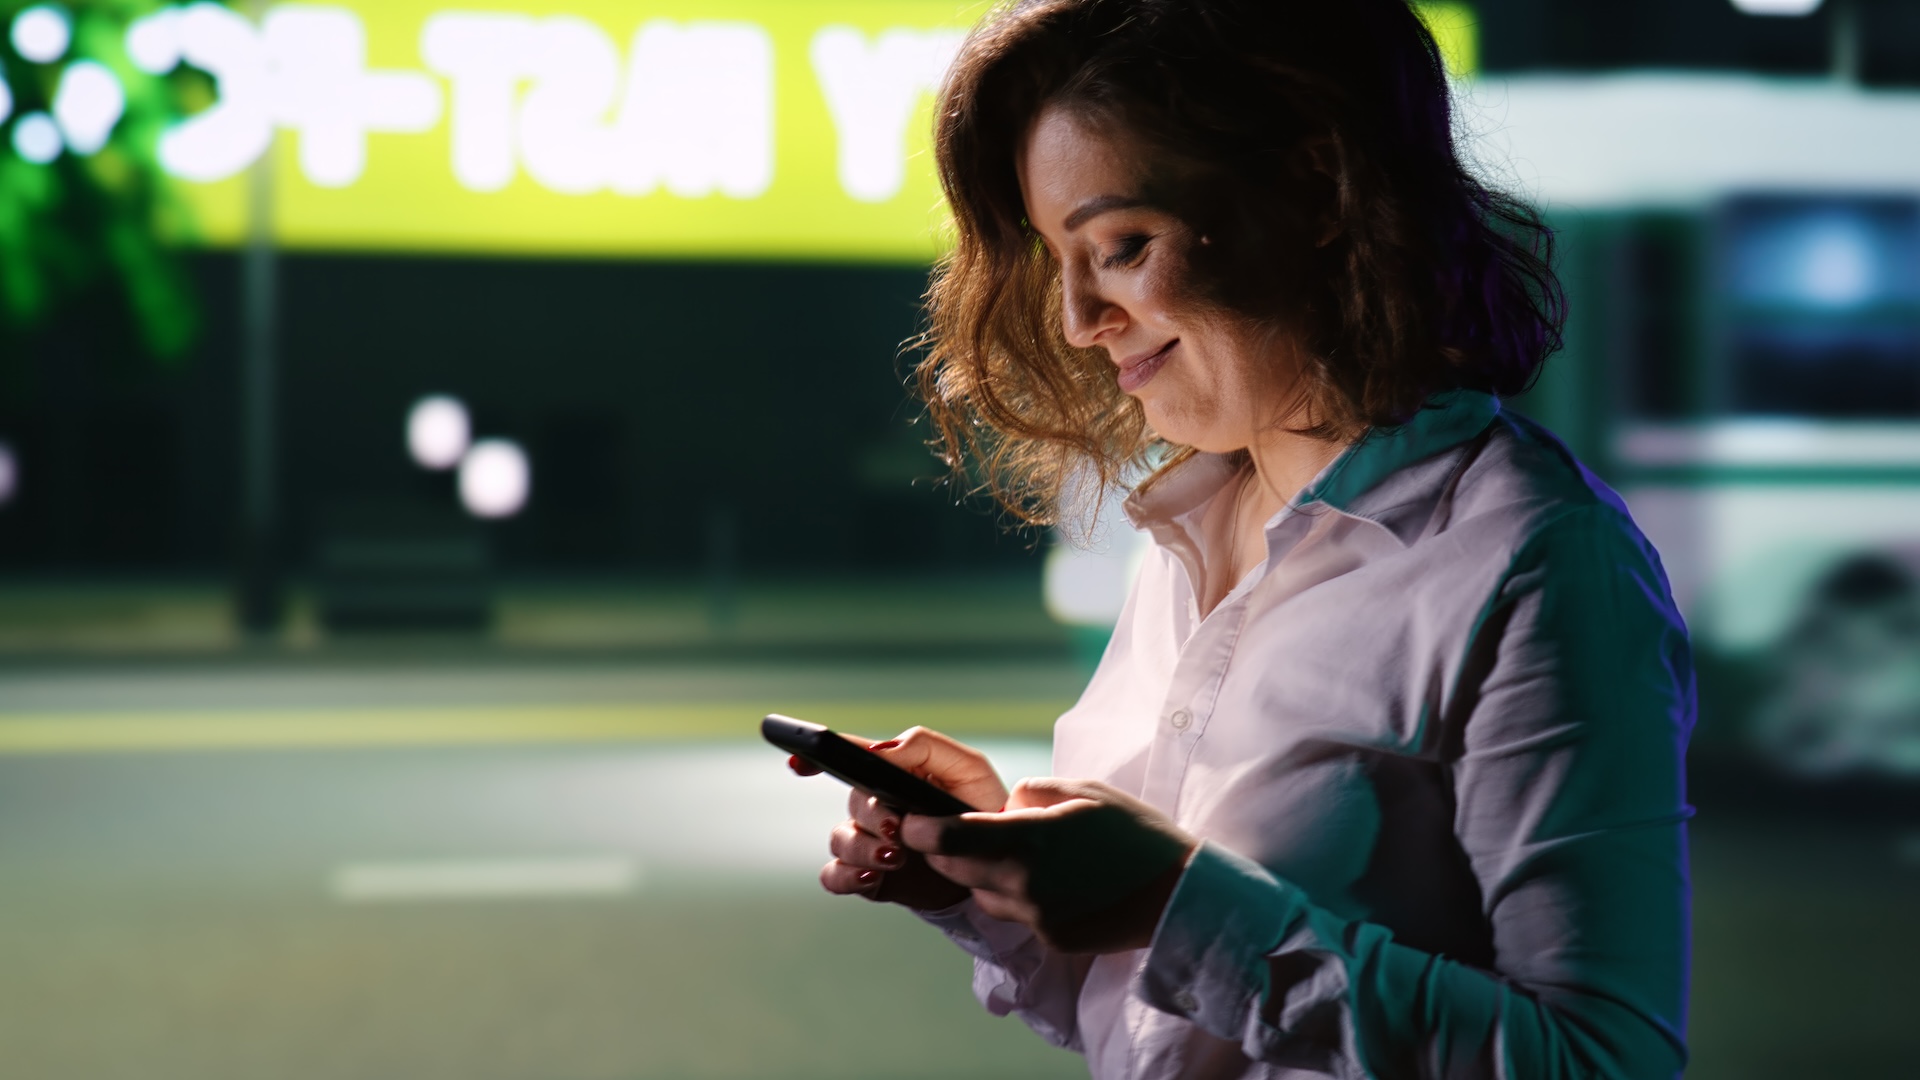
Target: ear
x=1320, y=160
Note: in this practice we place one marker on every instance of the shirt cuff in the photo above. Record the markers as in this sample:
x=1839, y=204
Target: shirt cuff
x=1011, y=971
x=1207, y=961
x=982, y=936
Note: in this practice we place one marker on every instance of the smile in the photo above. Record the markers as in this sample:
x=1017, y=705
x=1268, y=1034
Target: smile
x=1135, y=373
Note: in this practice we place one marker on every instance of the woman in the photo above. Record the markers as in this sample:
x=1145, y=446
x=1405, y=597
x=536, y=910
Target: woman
x=1381, y=774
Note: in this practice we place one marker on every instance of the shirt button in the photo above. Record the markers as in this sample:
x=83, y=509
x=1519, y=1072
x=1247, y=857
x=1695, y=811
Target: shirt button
x=1185, y=1001
x=1181, y=720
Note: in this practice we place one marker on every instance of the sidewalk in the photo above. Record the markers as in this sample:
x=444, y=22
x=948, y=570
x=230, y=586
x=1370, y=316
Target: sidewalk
x=56, y=622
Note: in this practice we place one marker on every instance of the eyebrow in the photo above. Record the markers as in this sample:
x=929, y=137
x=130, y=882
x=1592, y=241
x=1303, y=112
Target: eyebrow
x=1094, y=207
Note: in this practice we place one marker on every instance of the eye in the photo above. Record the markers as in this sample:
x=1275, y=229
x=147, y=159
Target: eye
x=1126, y=253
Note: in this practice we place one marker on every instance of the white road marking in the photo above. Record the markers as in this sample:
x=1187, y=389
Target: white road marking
x=484, y=879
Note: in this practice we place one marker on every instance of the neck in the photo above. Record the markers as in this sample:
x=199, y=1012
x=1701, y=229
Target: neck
x=1285, y=463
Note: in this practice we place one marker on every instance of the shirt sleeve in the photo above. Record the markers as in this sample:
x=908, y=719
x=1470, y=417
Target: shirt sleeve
x=1014, y=973
x=1568, y=728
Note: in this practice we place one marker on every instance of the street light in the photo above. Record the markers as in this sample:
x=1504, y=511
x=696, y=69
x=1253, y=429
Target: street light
x=1784, y=8
x=9, y=474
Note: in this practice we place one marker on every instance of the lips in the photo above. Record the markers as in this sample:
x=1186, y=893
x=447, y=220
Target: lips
x=1136, y=372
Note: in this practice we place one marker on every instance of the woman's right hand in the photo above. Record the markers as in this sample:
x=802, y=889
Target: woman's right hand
x=868, y=858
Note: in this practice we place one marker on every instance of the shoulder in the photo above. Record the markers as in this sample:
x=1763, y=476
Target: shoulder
x=1526, y=485
x=1525, y=473
x=1549, y=519
x=1527, y=512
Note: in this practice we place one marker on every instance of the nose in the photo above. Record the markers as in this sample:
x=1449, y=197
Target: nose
x=1086, y=315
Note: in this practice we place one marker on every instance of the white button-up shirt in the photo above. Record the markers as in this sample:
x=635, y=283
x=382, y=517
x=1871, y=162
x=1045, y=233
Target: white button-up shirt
x=1434, y=747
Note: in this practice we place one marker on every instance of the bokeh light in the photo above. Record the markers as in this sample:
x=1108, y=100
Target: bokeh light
x=153, y=42
x=87, y=106
x=9, y=474
x=36, y=138
x=41, y=33
x=495, y=479
x=438, y=431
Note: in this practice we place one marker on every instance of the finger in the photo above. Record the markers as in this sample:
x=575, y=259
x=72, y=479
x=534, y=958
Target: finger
x=844, y=880
x=1006, y=908
x=872, y=815
x=864, y=850
x=998, y=875
x=982, y=834
x=928, y=834
x=952, y=764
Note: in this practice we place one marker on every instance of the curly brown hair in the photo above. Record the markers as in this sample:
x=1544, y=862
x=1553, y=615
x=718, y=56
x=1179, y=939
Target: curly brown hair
x=1252, y=110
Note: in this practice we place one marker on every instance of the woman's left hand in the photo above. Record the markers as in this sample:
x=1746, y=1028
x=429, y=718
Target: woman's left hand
x=1088, y=867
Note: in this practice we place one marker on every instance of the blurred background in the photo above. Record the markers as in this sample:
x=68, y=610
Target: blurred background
x=431, y=435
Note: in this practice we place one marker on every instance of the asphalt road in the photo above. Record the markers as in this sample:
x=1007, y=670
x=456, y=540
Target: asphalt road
x=521, y=907
x=514, y=912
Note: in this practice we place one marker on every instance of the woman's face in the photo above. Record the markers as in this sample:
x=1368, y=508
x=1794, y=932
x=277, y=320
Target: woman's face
x=1206, y=378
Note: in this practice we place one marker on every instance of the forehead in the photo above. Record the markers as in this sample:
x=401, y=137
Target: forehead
x=1067, y=161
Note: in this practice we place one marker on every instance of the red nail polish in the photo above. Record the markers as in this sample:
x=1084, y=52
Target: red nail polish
x=868, y=877
x=887, y=745
x=890, y=829
x=888, y=855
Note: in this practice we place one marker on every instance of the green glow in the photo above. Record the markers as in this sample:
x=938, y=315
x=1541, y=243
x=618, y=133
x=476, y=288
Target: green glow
x=84, y=220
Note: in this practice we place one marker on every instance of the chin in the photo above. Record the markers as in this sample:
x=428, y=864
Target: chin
x=1183, y=428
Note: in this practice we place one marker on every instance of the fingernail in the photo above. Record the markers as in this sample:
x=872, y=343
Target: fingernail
x=868, y=877
x=801, y=767
x=888, y=855
x=890, y=829
x=887, y=745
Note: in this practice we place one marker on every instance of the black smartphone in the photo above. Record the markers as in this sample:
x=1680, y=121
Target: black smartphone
x=825, y=750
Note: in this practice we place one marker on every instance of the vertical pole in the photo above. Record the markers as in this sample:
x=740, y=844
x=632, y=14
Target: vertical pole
x=1844, y=41
x=261, y=598
x=723, y=559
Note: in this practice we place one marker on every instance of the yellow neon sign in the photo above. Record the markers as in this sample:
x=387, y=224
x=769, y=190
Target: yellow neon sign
x=729, y=128
x=762, y=128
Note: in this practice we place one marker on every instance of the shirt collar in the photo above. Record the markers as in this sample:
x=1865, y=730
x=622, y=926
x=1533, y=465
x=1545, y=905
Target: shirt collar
x=1394, y=477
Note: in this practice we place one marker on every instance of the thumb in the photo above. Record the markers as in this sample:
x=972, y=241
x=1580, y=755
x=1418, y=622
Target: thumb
x=1042, y=791
x=983, y=834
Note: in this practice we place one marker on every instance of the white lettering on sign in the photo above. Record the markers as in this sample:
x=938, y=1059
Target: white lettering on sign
x=304, y=69
x=317, y=68
x=226, y=138
x=480, y=57
x=696, y=114
x=690, y=110
x=562, y=130
x=871, y=90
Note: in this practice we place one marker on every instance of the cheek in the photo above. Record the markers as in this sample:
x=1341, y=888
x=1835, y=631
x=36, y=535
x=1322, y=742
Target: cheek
x=1189, y=400
x=1207, y=400
x=1160, y=294
x=1210, y=372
